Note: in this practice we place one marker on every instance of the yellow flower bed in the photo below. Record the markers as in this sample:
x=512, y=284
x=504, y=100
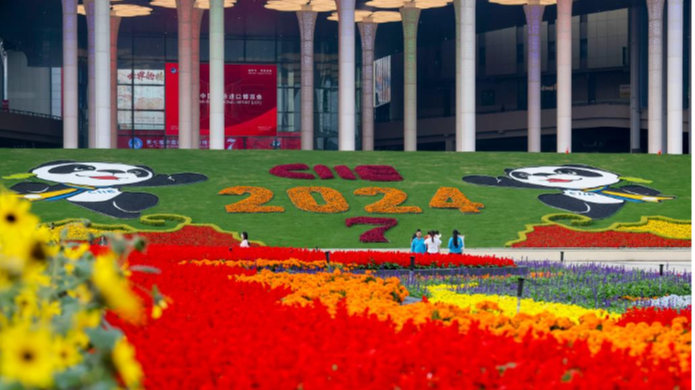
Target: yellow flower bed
x=668, y=229
x=78, y=232
x=507, y=305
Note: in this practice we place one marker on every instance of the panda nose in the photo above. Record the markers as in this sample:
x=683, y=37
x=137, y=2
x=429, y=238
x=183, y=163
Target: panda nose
x=114, y=171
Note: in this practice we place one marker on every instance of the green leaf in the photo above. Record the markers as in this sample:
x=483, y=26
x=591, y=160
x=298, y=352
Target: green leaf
x=104, y=339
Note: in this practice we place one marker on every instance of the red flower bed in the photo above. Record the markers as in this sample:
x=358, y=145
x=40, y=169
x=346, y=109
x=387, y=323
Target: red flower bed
x=286, y=171
x=378, y=173
x=191, y=236
x=225, y=334
x=555, y=236
x=376, y=234
x=651, y=315
x=323, y=171
x=344, y=172
x=364, y=259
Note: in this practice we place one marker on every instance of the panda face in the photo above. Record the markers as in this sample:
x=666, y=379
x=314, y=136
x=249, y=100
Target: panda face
x=564, y=177
x=93, y=174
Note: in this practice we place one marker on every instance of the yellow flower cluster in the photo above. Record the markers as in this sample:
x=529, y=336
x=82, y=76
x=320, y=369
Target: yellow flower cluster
x=47, y=312
x=682, y=231
x=272, y=264
x=78, y=232
x=508, y=305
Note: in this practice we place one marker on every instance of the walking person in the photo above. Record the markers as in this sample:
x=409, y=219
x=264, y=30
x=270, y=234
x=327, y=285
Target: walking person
x=456, y=243
x=433, y=243
x=417, y=245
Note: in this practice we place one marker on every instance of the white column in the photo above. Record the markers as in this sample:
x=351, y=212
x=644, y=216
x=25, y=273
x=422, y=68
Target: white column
x=675, y=77
x=465, y=75
x=690, y=82
x=564, y=76
x=346, y=74
x=635, y=111
x=102, y=68
x=70, y=99
x=184, y=9
x=115, y=26
x=195, y=77
x=307, y=24
x=410, y=16
x=91, y=74
x=655, y=9
x=217, y=83
x=534, y=17
x=368, y=38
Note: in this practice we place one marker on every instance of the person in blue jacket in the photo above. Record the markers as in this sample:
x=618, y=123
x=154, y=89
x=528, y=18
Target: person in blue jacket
x=456, y=243
x=418, y=243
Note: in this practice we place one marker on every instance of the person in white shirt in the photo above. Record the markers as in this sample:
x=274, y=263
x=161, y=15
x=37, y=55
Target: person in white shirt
x=244, y=240
x=433, y=243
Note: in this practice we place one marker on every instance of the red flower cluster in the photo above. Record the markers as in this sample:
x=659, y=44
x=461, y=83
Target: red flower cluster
x=226, y=334
x=376, y=234
x=362, y=259
x=378, y=173
x=369, y=259
x=324, y=172
x=286, y=171
x=344, y=172
x=204, y=236
x=554, y=236
x=651, y=315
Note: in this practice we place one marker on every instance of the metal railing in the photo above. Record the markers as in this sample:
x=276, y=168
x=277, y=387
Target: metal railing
x=33, y=114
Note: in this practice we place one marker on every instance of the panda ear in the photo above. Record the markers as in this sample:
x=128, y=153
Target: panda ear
x=57, y=162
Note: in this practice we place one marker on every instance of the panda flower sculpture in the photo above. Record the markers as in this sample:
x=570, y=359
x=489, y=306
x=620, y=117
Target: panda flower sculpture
x=98, y=186
x=584, y=190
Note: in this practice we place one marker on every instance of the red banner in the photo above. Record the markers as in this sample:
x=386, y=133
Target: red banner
x=250, y=100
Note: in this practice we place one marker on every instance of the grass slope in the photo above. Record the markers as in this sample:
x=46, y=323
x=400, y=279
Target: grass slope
x=505, y=214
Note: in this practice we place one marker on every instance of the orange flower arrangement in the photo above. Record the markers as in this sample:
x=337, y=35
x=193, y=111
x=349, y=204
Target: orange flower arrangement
x=453, y=198
x=390, y=204
x=254, y=203
x=302, y=199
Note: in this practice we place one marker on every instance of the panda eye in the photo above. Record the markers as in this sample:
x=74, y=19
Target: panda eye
x=521, y=175
x=563, y=171
x=71, y=168
x=139, y=172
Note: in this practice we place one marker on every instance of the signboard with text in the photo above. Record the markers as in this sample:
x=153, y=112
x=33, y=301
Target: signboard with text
x=250, y=100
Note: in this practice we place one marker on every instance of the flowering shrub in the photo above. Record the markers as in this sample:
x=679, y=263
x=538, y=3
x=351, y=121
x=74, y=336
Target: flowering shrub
x=252, y=204
x=262, y=342
x=556, y=236
x=453, y=198
x=324, y=172
x=373, y=235
x=390, y=204
x=302, y=199
x=344, y=172
x=287, y=171
x=52, y=332
x=378, y=173
x=78, y=232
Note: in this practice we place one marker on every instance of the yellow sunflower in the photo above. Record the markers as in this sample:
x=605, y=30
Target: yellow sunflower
x=66, y=353
x=15, y=218
x=115, y=289
x=27, y=357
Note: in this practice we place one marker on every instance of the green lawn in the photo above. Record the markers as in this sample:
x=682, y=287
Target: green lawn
x=505, y=214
